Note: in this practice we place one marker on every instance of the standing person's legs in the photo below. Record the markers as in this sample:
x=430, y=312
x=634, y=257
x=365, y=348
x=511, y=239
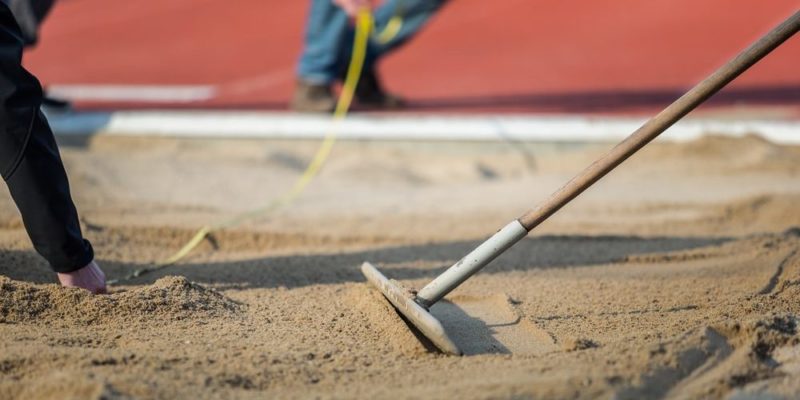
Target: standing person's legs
x=328, y=45
x=326, y=32
x=31, y=166
x=320, y=60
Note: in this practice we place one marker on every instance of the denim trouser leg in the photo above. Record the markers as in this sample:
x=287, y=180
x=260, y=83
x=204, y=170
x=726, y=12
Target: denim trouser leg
x=414, y=13
x=327, y=32
x=329, y=36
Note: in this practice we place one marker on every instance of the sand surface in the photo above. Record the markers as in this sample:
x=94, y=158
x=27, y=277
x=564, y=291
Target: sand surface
x=678, y=276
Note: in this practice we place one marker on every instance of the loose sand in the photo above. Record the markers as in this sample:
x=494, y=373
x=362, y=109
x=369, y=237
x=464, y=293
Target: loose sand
x=678, y=276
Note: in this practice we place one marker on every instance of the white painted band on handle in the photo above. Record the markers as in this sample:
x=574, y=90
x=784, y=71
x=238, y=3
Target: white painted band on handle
x=471, y=263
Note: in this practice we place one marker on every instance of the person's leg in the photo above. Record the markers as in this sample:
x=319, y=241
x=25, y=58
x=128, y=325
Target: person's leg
x=326, y=31
x=414, y=14
x=320, y=60
x=329, y=41
x=31, y=166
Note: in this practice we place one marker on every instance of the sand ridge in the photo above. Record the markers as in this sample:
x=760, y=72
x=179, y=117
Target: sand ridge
x=170, y=298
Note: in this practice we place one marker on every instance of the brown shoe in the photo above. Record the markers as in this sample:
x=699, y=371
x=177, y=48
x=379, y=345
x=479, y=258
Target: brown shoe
x=370, y=93
x=313, y=97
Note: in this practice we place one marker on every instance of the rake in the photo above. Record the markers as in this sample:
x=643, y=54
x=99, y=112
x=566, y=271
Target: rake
x=414, y=306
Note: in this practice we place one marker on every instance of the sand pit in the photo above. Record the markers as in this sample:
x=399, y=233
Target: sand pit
x=678, y=276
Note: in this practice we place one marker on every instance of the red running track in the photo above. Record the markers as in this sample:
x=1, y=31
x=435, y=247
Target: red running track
x=582, y=56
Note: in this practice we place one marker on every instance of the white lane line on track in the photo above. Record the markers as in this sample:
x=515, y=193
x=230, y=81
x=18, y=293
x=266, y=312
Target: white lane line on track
x=239, y=124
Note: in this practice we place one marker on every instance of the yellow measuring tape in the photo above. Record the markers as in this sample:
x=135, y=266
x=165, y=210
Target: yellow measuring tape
x=364, y=25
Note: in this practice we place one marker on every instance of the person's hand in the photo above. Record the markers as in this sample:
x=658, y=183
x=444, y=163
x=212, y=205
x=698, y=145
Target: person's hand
x=90, y=277
x=352, y=7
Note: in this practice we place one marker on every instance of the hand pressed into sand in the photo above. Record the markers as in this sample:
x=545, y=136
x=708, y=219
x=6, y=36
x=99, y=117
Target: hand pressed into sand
x=90, y=277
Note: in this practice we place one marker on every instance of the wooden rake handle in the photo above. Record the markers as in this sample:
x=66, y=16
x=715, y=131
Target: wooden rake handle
x=518, y=229
x=658, y=124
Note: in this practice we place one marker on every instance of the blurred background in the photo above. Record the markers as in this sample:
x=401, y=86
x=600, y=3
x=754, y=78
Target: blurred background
x=518, y=56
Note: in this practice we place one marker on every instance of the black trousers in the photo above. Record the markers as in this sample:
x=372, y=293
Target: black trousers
x=29, y=15
x=30, y=163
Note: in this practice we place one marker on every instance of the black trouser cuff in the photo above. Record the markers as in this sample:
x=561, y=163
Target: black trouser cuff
x=70, y=259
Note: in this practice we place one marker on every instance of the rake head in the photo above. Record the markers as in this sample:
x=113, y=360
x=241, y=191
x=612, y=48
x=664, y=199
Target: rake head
x=405, y=303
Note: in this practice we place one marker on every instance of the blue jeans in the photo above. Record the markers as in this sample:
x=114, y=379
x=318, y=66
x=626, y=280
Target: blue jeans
x=329, y=36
